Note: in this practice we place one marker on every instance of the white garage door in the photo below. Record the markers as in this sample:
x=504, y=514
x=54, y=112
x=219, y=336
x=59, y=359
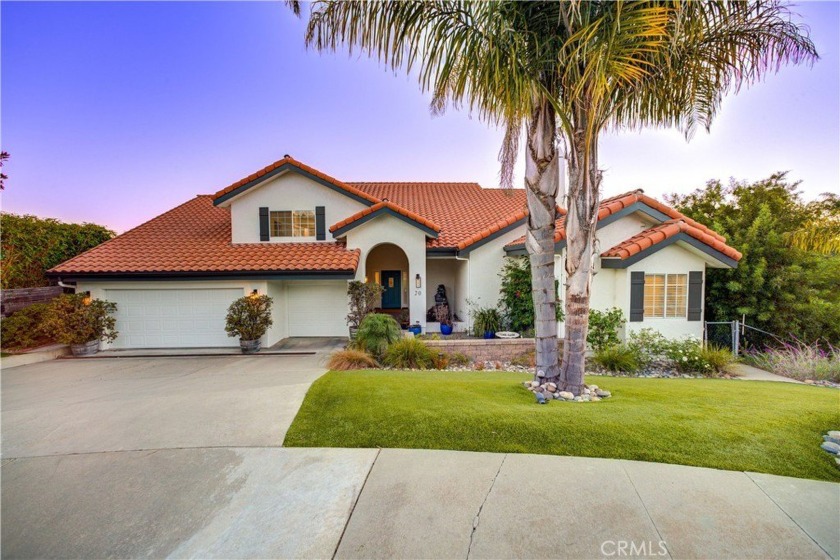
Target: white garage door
x=317, y=308
x=181, y=318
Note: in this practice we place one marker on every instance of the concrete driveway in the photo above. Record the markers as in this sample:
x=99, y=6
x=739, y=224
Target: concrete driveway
x=152, y=457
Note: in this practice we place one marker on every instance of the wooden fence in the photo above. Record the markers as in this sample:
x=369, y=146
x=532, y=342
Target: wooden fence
x=14, y=300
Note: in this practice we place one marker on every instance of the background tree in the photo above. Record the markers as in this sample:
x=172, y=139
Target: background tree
x=780, y=288
x=31, y=245
x=567, y=71
x=3, y=157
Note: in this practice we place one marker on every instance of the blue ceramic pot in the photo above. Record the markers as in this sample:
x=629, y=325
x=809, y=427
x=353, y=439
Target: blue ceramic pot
x=489, y=334
x=416, y=329
x=446, y=329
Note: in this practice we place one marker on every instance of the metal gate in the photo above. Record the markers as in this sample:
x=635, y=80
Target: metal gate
x=737, y=336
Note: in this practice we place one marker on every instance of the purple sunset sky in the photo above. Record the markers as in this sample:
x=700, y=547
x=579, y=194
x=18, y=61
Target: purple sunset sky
x=115, y=112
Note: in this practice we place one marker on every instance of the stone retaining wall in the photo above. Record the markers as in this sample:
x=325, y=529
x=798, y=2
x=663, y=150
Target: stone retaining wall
x=492, y=350
x=17, y=299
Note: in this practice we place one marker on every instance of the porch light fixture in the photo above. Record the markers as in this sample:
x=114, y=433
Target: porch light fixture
x=417, y=283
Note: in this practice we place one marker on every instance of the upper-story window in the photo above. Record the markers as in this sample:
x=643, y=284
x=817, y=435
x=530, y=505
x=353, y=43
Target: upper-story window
x=292, y=223
x=665, y=295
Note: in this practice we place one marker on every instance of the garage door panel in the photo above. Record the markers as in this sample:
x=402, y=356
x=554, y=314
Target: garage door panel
x=317, y=308
x=160, y=318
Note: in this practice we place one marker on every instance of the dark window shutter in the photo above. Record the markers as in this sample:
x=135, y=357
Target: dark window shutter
x=264, y=223
x=637, y=296
x=695, y=295
x=320, y=224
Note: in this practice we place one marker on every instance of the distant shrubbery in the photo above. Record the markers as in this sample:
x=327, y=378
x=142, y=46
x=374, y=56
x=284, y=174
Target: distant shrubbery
x=800, y=361
x=32, y=245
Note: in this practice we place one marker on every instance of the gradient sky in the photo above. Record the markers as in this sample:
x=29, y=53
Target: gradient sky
x=115, y=112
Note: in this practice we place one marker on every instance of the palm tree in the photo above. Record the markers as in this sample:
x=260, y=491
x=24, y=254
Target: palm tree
x=563, y=72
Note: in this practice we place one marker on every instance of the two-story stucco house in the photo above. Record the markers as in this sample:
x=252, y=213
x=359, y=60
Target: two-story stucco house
x=299, y=235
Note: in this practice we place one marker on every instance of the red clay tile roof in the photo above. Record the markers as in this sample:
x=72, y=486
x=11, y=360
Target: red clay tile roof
x=465, y=212
x=196, y=237
x=391, y=206
x=663, y=231
x=615, y=204
x=291, y=161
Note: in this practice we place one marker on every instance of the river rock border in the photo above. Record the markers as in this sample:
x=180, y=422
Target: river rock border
x=831, y=444
x=548, y=391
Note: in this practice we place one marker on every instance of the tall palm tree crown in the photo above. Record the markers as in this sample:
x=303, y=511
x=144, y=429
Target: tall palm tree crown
x=557, y=74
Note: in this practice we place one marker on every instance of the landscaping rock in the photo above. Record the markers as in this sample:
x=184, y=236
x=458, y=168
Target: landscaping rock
x=566, y=395
x=535, y=384
x=831, y=447
x=548, y=396
x=540, y=398
x=595, y=398
x=552, y=387
x=834, y=434
x=602, y=393
x=831, y=439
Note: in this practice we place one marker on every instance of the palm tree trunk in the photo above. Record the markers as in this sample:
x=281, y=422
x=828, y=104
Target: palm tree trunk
x=542, y=179
x=581, y=221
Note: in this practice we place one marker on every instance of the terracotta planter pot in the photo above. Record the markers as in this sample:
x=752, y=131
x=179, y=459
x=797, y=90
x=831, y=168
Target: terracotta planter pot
x=86, y=349
x=249, y=346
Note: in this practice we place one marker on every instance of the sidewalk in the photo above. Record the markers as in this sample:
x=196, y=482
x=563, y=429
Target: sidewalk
x=750, y=373
x=271, y=502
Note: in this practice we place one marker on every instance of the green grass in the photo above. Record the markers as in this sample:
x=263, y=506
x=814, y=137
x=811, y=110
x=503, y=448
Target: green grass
x=719, y=423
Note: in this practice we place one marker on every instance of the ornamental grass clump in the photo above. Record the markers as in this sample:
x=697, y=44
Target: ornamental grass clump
x=618, y=357
x=376, y=332
x=800, y=361
x=350, y=359
x=409, y=353
x=78, y=319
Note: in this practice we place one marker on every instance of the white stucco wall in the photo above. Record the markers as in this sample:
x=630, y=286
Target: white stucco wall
x=673, y=259
x=388, y=229
x=290, y=191
x=462, y=290
x=485, y=267
x=280, y=329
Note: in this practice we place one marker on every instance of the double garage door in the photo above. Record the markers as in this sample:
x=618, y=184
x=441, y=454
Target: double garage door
x=179, y=318
x=195, y=317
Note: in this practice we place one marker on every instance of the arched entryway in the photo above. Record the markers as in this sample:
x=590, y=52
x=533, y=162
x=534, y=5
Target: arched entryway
x=387, y=265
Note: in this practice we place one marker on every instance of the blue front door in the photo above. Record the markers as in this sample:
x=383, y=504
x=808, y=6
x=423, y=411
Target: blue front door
x=392, y=296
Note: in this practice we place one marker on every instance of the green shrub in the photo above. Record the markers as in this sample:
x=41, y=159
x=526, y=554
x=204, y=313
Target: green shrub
x=345, y=360
x=516, y=300
x=459, y=359
x=32, y=245
x=377, y=331
x=618, y=357
x=717, y=357
x=687, y=356
x=649, y=345
x=23, y=328
x=249, y=317
x=603, y=328
x=409, y=353
x=77, y=319
x=363, y=299
x=486, y=319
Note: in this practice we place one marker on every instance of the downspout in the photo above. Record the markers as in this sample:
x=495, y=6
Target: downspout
x=67, y=286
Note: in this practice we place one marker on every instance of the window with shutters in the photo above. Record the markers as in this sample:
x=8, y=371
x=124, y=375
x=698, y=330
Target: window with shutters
x=666, y=295
x=292, y=223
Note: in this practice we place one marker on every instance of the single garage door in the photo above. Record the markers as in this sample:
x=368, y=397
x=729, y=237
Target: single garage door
x=317, y=308
x=180, y=318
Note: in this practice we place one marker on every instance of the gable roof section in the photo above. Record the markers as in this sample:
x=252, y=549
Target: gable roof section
x=290, y=164
x=641, y=245
x=467, y=214
x=194, y=239
x=616, y=207
x=385, y=207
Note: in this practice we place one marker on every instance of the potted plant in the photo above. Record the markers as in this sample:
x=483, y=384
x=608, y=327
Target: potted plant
x=443, y=317
x=363, y=299
x=415, y=329
x=487, y=322
x=249, y=318
x=404, y=317
x=81, y=322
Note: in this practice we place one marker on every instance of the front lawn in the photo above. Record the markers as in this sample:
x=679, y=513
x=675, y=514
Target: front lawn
x=726, y=424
